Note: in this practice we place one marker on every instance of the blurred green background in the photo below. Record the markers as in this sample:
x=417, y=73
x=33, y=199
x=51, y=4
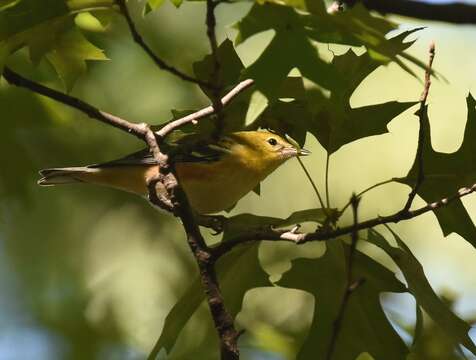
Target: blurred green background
x=91, y=273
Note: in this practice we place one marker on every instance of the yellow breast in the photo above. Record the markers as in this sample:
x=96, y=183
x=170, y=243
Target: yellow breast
x=211, y=188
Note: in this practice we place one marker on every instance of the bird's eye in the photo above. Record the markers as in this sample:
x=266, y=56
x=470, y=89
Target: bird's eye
x=272, y=141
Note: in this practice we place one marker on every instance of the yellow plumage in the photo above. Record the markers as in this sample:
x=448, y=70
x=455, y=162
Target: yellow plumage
x=246, y=158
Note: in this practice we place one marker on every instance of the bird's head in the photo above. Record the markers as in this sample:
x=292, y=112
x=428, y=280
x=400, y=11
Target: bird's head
x=263, y=149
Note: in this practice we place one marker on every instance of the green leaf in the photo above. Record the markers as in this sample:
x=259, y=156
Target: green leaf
x=287, y=117
x=47, y=27
x=244, y=222
x=420, y=288
x=332, y=121
x=365, y=327
x=335, y=123
x=228, y=76
x=69, y=56
x=238, y=272
x=177, y=3
x=151, y=5
x=294, y=32
x=446, y=173
x=5, y=4
x=229, y=71
x=4, y=51
x=273, y=66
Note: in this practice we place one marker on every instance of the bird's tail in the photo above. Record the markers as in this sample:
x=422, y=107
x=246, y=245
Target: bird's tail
x=57, y=176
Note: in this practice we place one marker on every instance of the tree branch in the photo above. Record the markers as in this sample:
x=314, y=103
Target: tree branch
x=139, y=130
x=453, y=12
x=351, y=285
x=209, y=110
x=269, y=234
x=422, y=115
x=157, y=60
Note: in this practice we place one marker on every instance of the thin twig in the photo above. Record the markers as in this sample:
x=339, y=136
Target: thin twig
x=328, y=200
x=254, y=235
x=351, y=285
x=209, y=110
x=216, y=73
x=157, y=60
x=313, y=184
x=422, y=113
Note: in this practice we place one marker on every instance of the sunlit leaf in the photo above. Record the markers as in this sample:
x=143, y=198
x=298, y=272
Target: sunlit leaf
x=5, y=4
x=47, y=27
x=420, y=288
x=273, y=66
x=334, y=122
x=69, y=56
x=365, y=327
x=229, y=70
x=446, y=173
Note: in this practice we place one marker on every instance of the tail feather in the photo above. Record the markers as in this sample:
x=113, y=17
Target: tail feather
x=57, y=176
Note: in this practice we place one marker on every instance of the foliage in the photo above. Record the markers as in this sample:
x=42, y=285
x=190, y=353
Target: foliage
x=298, y=91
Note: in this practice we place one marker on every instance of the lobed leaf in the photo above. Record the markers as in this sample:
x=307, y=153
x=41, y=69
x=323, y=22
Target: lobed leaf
x=47, y=27
x=445, y=173
x=420, y=288
x=365, y=327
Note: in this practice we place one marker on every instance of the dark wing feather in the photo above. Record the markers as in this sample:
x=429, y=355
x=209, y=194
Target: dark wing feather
x=200, y=153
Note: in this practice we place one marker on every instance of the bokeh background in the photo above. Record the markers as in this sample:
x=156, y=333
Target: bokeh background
x=91, y=273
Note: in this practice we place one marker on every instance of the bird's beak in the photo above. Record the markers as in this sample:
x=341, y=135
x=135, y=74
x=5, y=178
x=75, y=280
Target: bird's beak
x=303, y=152
x=291, y=151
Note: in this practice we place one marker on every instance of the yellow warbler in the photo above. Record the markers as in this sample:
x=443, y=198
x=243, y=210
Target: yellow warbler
x=214, y=176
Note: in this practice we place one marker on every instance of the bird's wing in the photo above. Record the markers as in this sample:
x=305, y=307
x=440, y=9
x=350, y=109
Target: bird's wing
x=198, y=153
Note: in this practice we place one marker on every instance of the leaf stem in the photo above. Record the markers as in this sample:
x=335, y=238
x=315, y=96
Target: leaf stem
x=328, y=200
x=313, y=185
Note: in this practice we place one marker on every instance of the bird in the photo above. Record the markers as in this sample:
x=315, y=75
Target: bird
x=214, y=175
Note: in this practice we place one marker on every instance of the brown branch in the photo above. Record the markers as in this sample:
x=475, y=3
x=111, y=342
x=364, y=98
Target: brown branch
x=157, y=60
x=453, y=12
x=209, y=110
x=216, y=76
x=222, y=319
x=301, y=238
x=137, y=129
x=422, y=114
x=351, y=285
